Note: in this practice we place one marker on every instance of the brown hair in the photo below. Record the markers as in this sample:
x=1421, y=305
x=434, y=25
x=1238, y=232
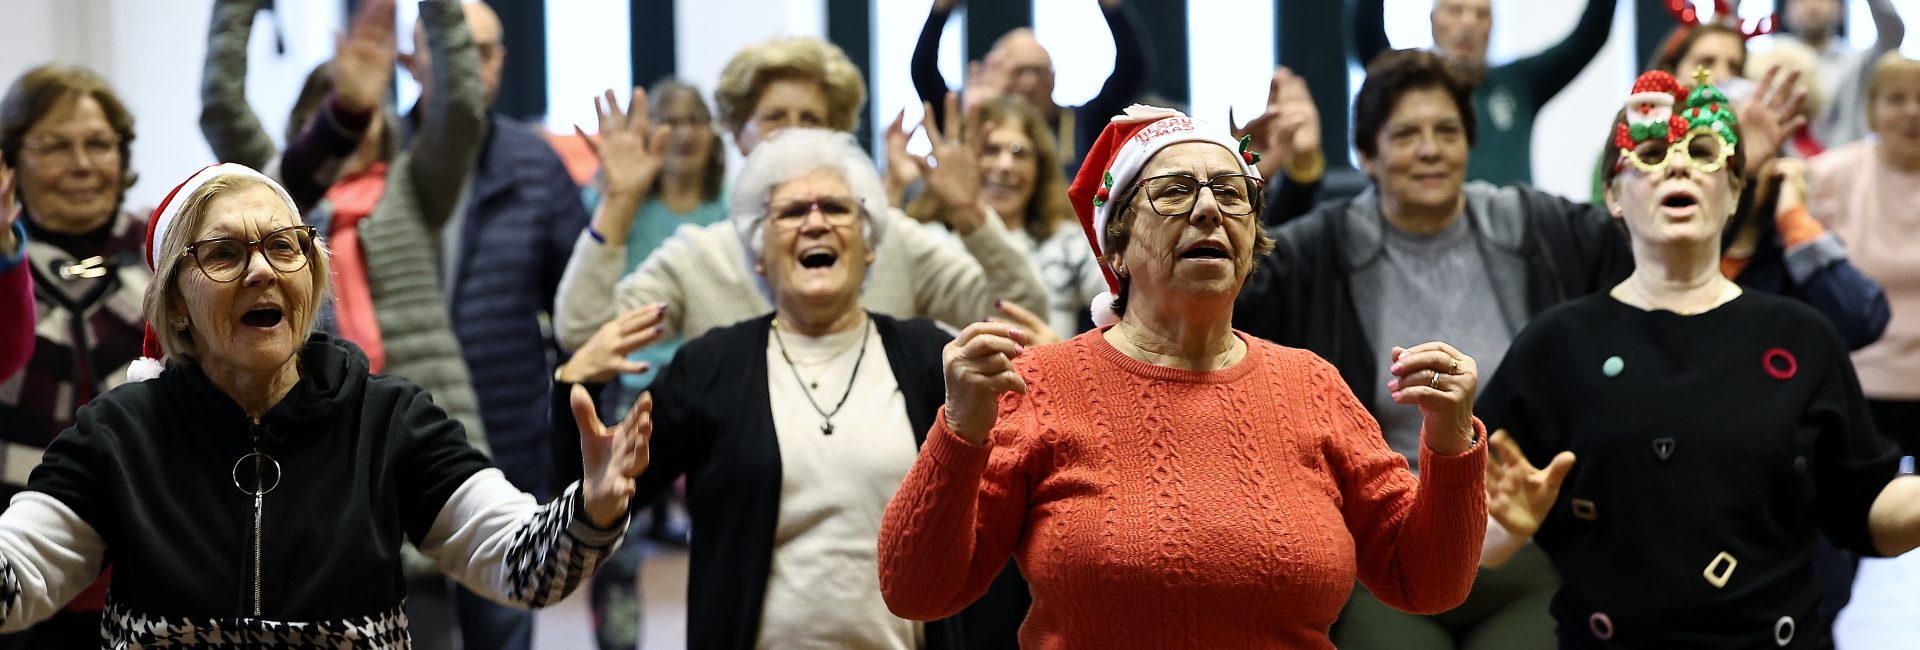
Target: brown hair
x=1120, y=232
x=40, y=90
x=1047, y=207
x=1684, y=38
x=1394, y=74
x=163, y=302
x=795, y=57
x=658, y=96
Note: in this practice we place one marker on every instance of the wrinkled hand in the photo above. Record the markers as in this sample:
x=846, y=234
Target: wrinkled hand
x=1446, y=405
x=363, y=59
x=955, y=181
x=1769, y=117
x=1289, y=129
x=611, y=457
x=604, y=356
x=630, y=148
x=1519, y=495
x=901, y=172
x=979, y=367
x=9, y=211
x=1036, y=328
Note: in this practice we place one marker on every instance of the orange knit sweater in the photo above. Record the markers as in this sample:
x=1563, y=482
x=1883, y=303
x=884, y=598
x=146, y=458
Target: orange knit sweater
x=1151, y=507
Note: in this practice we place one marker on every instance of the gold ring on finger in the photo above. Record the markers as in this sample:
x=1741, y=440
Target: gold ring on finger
x=1455, y=369
x=1436, y=381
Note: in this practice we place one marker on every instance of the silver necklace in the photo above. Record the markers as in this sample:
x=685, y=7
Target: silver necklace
x=826, y=417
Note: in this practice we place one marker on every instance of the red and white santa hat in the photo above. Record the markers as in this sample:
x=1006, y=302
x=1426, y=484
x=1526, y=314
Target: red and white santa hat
x=149, y=365
x=1114, y=162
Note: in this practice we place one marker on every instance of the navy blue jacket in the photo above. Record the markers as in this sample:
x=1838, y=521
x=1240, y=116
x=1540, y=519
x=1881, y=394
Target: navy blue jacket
x=522, y=215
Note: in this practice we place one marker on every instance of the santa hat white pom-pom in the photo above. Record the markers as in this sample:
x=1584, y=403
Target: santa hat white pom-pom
x=144, y=368
x=1103, y=310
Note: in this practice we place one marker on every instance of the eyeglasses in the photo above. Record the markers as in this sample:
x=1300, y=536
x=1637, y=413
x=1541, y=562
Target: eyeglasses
x=225, y=259
x=56, y=149
x=839, y=211
x=1174, y=195
x=1702, y=150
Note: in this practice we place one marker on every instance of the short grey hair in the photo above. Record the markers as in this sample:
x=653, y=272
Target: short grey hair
x=795, y=152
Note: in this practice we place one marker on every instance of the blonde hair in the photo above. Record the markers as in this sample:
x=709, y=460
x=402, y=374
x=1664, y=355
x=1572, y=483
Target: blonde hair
x=795, y=57
x=1793, y=55
x=163, y=301
x=1890, y=65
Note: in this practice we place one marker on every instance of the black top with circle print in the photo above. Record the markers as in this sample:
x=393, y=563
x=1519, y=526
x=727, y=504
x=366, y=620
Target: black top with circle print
x=1709, y=449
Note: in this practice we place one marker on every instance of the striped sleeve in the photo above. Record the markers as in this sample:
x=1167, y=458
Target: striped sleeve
x=496, y=541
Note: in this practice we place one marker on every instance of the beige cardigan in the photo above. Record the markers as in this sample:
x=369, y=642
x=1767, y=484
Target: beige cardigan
x=702, y=276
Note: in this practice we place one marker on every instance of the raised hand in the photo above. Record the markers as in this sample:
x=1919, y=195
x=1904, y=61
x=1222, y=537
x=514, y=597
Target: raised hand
x=901, y=172
x=986, y=80
x=1441, y=381
x=979, y=367
x=363, y=57
x=1036, y=328
x=1288, y=131
x=1519, y=495
x=604, y=356
x=630, y=148
x=955, y=181
x=1769, y=117
x=610, y=458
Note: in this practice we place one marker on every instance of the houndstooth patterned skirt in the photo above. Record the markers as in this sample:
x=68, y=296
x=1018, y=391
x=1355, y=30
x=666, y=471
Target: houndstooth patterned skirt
x=124, y=629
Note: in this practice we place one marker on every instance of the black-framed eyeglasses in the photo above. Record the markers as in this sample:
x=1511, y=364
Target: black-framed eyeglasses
x=1174, y=195
x=225, y=259
x=840, y=211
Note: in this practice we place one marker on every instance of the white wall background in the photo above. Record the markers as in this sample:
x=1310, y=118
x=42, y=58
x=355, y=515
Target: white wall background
x=152, y=53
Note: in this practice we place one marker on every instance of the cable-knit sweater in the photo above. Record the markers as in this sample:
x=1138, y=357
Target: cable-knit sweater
x=1154, y=507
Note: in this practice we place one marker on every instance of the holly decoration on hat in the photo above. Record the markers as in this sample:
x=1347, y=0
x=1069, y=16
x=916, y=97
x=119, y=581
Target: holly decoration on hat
x=1708, y=108
x=1106, y=188
x=1246, y=151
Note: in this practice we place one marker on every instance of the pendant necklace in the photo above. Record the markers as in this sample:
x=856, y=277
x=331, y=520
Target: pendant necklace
x=826, y=417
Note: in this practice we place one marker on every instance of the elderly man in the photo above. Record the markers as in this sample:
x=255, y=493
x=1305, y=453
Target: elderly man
x=1843, y=70
x=1506, y=96
x=502, y=253
x=1019, y=65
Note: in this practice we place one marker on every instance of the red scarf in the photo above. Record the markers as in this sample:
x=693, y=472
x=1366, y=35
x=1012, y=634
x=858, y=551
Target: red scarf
x=353, y=199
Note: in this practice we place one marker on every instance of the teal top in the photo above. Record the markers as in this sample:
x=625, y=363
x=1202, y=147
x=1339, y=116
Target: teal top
x=653, y=224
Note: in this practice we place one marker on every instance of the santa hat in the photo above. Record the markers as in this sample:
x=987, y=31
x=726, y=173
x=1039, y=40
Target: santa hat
x=1114, y=162
x=149, y=365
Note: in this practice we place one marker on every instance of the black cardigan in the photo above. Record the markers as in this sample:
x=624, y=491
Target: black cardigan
x=713, y=423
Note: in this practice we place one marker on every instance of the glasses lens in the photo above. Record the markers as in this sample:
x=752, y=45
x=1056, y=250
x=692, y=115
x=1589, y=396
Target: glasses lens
x=221, y=259
x=838, y=212
x=1172, y=195
x=1704, y=148
x=1232, y=194
x=286, y=250
x=1651, y=152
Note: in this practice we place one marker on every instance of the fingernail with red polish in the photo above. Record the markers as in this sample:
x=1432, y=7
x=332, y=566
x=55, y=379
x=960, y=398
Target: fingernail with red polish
x=996, y=303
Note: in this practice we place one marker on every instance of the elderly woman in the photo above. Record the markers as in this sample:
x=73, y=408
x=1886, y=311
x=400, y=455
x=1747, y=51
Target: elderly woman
x=782, y=83
x=256, y=491
x=1866, y=192
x=794, y=428
x=1165, y=480
x=1716, y=429
x=67, y=137
x=1018, y=180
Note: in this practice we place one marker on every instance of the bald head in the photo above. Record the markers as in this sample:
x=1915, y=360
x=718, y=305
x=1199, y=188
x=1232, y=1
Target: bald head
x=1025, y=66
x=487, y=33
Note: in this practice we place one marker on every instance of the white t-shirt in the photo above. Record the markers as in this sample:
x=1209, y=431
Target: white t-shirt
x=824, y=588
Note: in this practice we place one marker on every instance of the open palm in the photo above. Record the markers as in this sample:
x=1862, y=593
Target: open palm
x=1519, y=495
